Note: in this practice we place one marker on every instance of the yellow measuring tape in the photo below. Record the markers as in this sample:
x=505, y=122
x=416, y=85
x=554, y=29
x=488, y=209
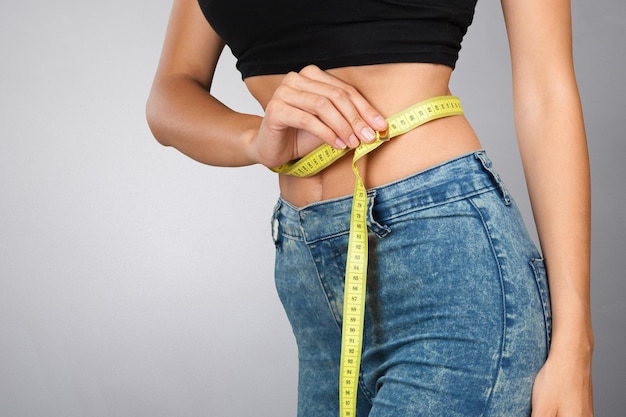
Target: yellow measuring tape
x=356, y=264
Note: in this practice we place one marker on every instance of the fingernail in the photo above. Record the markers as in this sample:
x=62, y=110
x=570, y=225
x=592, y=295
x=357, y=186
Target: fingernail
x=339, y=144
x=368, y=134
x=380, y=122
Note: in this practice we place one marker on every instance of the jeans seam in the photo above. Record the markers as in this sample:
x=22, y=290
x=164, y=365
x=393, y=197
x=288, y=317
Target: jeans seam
x=498, y=369
x=495, y=176
x=363, y=387
x=325, y=290
x=450, y=200
x=547, y=315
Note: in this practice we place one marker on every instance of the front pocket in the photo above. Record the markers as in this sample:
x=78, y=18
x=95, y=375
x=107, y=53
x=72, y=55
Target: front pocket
x=541, y=279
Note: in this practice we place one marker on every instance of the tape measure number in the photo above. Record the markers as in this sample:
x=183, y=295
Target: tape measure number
x=356, y=264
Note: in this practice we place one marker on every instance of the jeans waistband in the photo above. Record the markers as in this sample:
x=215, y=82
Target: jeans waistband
x=456, y=179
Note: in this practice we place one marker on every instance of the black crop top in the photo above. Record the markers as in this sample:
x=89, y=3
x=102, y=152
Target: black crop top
x=278, y=36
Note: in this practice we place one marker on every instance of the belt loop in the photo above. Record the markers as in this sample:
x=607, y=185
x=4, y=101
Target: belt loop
x=276, y=223
x=488, y=166
x=379, y=229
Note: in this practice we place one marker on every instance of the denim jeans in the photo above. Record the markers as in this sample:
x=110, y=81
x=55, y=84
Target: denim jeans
x=457, y=308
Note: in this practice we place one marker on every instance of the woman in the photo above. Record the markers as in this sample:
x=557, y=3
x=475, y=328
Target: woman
x=457, y=322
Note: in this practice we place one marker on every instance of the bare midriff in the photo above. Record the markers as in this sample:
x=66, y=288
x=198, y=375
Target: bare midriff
x=390, y=88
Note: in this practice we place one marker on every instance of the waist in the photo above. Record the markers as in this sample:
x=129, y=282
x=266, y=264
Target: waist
x=390, y=88
x=461, y=177
x=418, y=150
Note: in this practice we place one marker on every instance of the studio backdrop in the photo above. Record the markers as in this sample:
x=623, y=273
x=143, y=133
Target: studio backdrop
x=137, y=282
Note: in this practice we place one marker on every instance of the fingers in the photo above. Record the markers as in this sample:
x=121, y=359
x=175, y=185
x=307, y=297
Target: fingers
x=325, y=106
x=365, y=109
x=290, y=114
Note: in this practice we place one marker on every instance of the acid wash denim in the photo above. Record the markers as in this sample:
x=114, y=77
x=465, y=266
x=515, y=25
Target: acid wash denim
x=457, y=309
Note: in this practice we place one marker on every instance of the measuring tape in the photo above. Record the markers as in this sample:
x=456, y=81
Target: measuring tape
x=356, y=263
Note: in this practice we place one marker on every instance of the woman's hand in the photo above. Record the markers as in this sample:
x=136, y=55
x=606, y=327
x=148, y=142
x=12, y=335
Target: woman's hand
x=563, y=387
x=309, y=108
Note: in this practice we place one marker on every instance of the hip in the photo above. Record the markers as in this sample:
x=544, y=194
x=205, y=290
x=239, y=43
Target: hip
x=457, y=295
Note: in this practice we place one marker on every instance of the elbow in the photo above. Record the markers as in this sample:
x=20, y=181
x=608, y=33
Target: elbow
x=155, y=118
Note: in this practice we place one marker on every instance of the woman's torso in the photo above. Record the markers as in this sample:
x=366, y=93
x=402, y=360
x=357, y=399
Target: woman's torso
x=390, y=88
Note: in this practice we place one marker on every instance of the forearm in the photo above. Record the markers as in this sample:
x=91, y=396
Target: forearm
x=555, y=158
x=181, y=113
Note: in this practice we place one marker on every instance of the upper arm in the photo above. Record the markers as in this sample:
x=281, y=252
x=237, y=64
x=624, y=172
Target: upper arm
x=191, y=48
x=540, y=39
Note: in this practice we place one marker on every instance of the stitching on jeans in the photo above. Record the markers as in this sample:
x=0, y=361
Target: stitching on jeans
x=504, y=306
x=536, y=264
x=488, y=166
x=324, y=288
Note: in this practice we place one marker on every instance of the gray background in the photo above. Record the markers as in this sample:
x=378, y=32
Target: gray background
x=134, y=282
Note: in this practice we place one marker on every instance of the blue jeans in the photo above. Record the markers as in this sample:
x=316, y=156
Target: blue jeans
x=457, y=309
